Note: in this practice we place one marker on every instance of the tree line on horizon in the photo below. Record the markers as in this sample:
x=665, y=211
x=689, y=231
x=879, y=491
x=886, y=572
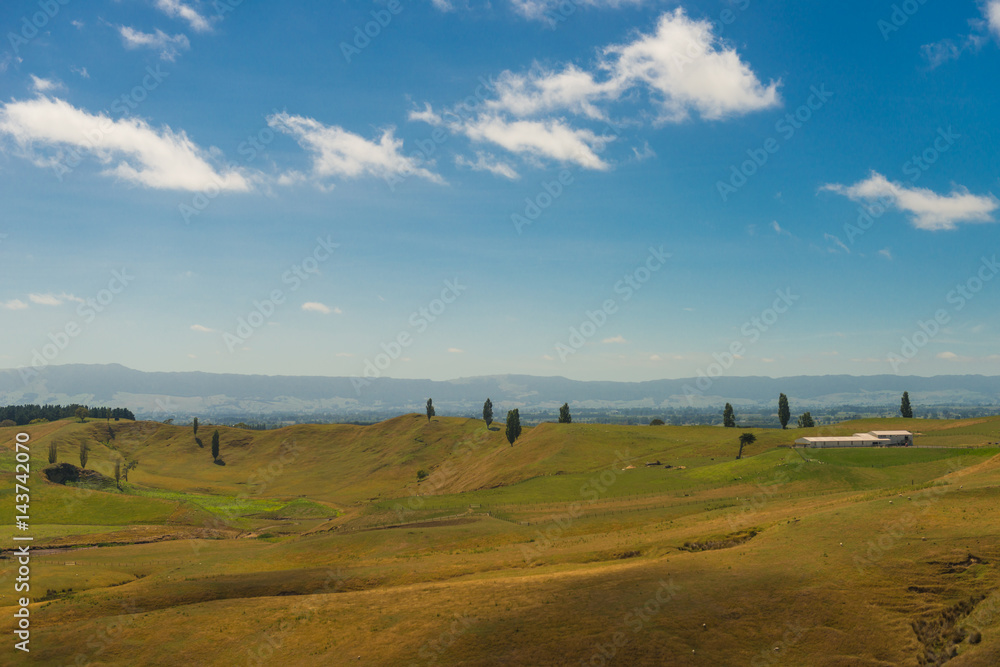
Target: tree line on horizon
x=513, y=424
x=805, y=420
x=22, y=415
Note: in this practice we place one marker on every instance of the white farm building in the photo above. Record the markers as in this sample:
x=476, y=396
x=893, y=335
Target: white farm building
x=872, y=439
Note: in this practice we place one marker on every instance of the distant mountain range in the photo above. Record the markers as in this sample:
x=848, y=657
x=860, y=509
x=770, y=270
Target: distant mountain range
x=183, y=394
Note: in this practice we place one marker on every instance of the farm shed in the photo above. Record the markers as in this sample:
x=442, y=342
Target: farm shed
x=896, y=437
x=873, y=439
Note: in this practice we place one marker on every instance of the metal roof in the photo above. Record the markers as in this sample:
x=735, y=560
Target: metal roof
x=842, y=438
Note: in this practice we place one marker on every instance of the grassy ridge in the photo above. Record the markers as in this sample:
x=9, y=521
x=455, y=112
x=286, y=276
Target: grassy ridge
x=532, y=554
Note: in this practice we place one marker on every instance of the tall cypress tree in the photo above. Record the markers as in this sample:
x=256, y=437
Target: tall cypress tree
x=488, y=412
x=729, y=417
x=784, y=413
x=215, y=445
x=564, y=416
x=513, y=426
x=904, y=406
x=430, y=409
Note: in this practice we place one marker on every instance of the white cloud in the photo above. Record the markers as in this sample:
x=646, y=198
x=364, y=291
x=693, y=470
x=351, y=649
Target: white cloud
x=681, y=68
x=201, y=329
x=615, y=339
x=169, y=47
x=542, y=91
x=885, y=252
x=317, y=307
x=53, y=299
x=455, y=350
x=427, y=115
x=992, y=12
x=837, y=243
x=927, y=209
x=938, y=53
x=13, y=304
x=42, y=85
x=957, y=358
x=533, y=139
x=77, y=24
x=690, y=68
x=541, y=138
x=488, y=162
x=646, y=153
x=128, y=147
x=82, y=71
x=778, y=229
x=339, y=153
x=177, y=9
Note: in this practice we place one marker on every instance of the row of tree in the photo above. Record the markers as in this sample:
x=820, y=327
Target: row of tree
x=513, y=418
x=121, y=471
x=25, y=414
x=215, y=438
x=805, y=420
x=784, y=415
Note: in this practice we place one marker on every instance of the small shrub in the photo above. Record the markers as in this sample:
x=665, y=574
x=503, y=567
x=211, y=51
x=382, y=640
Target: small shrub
x=656, y=422
x=7, y=423
x=422, y=474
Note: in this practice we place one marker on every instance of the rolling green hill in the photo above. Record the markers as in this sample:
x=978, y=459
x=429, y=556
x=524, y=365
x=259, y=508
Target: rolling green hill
x=317, y=544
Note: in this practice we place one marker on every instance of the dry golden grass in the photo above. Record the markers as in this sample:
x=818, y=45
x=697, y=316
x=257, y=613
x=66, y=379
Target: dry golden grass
x=849, y=551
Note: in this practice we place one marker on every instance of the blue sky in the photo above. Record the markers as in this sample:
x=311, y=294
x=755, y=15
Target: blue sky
x=599, y=189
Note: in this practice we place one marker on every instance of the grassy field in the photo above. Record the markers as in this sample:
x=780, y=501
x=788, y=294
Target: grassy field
x=317, y=545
